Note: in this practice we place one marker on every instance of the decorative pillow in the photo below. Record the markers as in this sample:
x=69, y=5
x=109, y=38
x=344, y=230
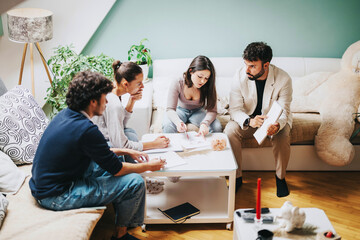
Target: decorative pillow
x=11, y=177
x=2, y=87
x=22, y=123
x=3, y=208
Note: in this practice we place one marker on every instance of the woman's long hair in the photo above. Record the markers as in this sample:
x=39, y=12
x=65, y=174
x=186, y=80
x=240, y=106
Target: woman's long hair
x=208, y=95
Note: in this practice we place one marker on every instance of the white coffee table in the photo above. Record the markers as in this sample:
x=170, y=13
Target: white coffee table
x=202, y=183
x=315, y=219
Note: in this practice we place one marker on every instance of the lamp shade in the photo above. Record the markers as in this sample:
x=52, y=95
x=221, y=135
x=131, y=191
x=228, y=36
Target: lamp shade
x=30, y=25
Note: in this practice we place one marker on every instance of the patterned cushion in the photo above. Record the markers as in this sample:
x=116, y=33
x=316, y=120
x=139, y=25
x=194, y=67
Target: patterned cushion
x=2, y=87
x=22, y=123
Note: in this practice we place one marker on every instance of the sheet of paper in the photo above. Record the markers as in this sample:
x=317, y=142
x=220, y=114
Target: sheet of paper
x=195, y=141
x=172, y=159
x=173, y=146
x=273, y=115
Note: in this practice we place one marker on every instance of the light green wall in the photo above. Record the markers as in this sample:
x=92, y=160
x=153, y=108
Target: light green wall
x=1, y=27
x=186, y=28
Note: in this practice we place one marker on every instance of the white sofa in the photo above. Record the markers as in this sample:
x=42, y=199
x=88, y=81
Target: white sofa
x=148, y=113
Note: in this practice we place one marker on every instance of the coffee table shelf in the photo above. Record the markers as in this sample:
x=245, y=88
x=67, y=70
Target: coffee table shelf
x=203, y=184
x=208, y=194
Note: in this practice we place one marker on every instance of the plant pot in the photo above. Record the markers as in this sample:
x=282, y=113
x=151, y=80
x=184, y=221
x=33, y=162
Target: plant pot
x=145, y=69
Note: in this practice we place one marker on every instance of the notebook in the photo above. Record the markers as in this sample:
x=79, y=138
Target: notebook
x=180, y=213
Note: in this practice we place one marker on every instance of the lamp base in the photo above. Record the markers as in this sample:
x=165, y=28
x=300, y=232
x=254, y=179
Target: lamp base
x=32, y=64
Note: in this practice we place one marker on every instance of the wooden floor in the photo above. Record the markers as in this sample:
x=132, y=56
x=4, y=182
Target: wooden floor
x=337, y=193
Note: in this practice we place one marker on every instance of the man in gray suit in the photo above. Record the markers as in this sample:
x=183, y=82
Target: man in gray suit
x=256, y=86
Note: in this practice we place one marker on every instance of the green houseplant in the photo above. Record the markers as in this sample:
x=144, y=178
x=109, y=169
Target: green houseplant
x=141, y=55
x=65, y=63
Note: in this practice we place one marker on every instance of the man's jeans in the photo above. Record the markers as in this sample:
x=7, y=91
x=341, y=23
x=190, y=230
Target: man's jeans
x=97, y=188
x=194, y=116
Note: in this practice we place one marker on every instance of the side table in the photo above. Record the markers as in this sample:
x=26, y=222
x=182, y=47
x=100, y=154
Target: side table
x=316, y=221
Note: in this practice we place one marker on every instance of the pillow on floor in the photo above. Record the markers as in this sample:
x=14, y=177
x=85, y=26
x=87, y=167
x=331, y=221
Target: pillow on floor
x=11, y=177
x=22, y=123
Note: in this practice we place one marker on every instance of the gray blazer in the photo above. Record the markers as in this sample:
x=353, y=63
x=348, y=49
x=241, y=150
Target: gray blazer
x=243, y=96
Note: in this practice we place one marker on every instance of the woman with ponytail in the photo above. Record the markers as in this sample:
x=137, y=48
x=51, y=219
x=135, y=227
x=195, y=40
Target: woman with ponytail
x=128, y=79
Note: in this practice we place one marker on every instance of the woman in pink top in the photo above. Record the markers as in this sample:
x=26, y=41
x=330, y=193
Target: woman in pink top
x=192, y=99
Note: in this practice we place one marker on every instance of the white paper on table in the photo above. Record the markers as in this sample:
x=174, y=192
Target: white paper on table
x=272, y=116
x=173, y=146
x=172, y=159
x=195, y=141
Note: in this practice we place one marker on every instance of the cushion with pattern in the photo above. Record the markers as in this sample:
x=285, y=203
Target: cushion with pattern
x=22, y=123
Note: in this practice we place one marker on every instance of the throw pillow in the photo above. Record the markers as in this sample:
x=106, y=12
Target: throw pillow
x=3, y=208
x=2, y=87
x=22, y=123
x=11, y=177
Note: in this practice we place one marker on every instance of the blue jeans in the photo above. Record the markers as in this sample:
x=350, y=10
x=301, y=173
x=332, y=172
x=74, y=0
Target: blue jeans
x=97, y=187
x=194, y=116
x=132, y=136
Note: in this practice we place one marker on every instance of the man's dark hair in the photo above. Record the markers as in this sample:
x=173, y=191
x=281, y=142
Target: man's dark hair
x=84, y=87
x=258, y=51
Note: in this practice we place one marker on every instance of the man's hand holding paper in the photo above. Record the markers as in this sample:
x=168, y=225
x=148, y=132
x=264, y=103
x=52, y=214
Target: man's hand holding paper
x=273, y=129
x=257, y=121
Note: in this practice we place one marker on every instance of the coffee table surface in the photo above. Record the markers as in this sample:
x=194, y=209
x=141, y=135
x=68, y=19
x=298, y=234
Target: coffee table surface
x=198, y=160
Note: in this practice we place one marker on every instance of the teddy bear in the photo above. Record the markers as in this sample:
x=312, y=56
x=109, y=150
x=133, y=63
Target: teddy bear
x=291, y=217
x=336, y=96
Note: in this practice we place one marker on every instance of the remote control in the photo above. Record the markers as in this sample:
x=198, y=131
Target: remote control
x=250, y=217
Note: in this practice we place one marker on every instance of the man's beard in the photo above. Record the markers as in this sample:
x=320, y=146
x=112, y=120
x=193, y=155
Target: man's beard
x=253, y=78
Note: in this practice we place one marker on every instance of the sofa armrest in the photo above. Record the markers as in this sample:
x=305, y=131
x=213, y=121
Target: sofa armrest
x=142, y=111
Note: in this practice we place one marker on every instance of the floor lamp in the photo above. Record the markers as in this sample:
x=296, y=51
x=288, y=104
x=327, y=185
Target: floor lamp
x=30, y=26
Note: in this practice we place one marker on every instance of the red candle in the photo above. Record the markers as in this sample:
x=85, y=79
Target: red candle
x=258, y=199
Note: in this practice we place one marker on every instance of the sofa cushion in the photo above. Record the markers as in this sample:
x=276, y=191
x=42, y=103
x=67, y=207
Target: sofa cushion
x=26, y=219
x=11, y=178
x=22, y=123
x=304, y=129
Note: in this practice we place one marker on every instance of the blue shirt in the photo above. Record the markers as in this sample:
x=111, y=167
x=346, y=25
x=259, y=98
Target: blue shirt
x=64, y=153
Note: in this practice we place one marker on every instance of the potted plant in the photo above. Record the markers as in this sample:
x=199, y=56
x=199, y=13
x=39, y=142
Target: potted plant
x=64, y=64
x=141, y=55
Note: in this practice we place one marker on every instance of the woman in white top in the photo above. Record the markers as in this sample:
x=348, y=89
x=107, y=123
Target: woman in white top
x=128, y=79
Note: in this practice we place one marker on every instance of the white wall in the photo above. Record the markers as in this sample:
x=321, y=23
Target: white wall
x=74, y=22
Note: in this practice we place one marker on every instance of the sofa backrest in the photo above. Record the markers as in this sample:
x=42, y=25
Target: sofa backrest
x=167, y=70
